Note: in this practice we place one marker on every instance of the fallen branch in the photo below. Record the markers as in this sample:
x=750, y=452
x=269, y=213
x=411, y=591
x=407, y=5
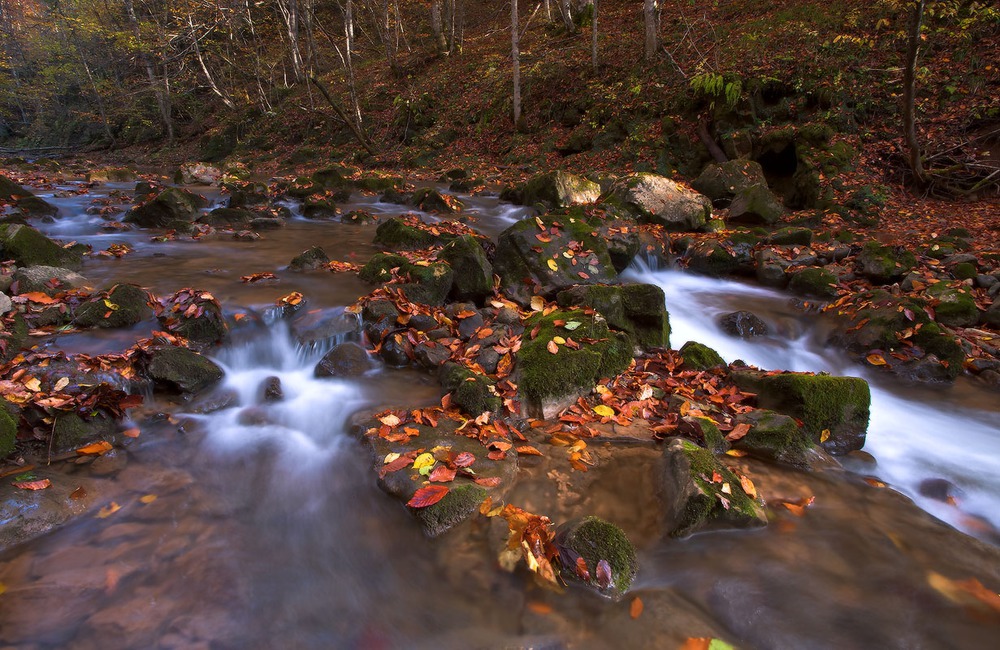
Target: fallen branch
x=358, y=135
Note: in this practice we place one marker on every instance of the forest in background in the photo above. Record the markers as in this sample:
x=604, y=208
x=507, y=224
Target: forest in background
x=626, y=85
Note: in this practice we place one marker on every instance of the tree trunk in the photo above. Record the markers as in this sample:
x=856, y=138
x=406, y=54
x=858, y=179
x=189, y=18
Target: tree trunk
x=162, y=93
x=437, y=26
x=910, y=93
x=204, y=68
x=593, y=36
x=567, y=16
x=650, y=11
x=349, y=36
x=290, y=13
x=355, y=130
x=515, y=54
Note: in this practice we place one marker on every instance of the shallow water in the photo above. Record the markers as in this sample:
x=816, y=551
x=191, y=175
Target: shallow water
x=267, y=529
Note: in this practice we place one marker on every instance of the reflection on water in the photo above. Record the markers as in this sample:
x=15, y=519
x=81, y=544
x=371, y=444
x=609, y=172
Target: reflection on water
x=258, y=524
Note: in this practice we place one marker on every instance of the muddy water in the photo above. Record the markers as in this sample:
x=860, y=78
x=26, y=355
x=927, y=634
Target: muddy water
x=259, y=525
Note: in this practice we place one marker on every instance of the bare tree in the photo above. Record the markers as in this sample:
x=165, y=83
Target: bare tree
x=909, y=93
x=651, y=19
x=160, y=90
x=593, y=36
x=289, y=10
x=515, y=54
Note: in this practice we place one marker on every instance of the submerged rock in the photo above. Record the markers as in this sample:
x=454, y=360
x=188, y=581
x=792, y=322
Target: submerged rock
x=743, y=324
x=608, y=554
x=49, y=280
x=309, y=260
x=704, y=494
x=70, y=431
x=347, y=359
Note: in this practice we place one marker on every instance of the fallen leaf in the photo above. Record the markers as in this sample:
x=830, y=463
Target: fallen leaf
x=748, y=487
x=551, y=263
x=98, y=448
x=635, y=609
x=969, y=592
x=798, y=508
x=131, y=433
x=390, y=420
x=427, y=496
x=78, y=493
x=147, y=499
x=540, y=608
x=572, y=325
x=552, y=347
x=487, y=481
x=442, y=474
x=738, y=432
x=604, y=574
x=604, y=411
x=581, y=569
x=528, y=450
x=39, y=298
x=108, y=510
x=537, y=303
x=62, y=383
x=559, y=340
x=32, y=485
x=464, y=459
x=875, y=359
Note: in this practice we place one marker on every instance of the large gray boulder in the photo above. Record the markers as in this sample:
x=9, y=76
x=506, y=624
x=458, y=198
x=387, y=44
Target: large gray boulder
x=721, y=182
x=49, y=280
x=172, y=208
x=178, y=369
x=659, y=200
x=559, y=189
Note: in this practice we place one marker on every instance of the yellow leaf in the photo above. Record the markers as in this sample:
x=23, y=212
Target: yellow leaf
x=147, y=499
x=424, y=460
x=62, y=383
x=552, y=264
x=3, y=588
x=875, y=359
x=560, y=340
x=748, y=487
x=824, y=435
x=110, y=305
x=108, y=510
x=604, y=411
x=32, y=384
x=736, y=453
x=390, y=457
x=537, y=303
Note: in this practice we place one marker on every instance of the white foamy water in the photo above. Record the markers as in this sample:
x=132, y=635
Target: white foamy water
x=915, y=434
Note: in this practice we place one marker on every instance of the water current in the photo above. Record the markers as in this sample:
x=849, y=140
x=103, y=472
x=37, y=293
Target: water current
x=267, y=529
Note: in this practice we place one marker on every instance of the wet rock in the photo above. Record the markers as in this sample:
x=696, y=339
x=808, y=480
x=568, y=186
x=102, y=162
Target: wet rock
x=705, y=432
x=468, y=326
x=558, y=189
x=197, y=173
x=636, y=309
x=524, y=271
x=884, y=264
x=430, y=199
x=623, y=240
x=991, y=317
x=181, y=370
x=173, y=208
x=266, y=223
x=720, y=183
x=8, y=430
x=309, y=260
x=123, y=306
x=814, y=282
x=358, y=217
x=704, y=494
x=254, y=416
x=659, y=200
x=109, y=464
x=396, y=351
x=473, y=273
x=599, y=543
x=395, y=234
x=431, y=355
x=317, y=327
x=488, y=360
x=700, y=357
x=711, y=258
x=5, y=304
x=26, y=514
x=550, y=382
x=33, y=206
x=939, y=489
x=791, y=236
x=70, y=431
x=770, y=268
x=228, y=218
x=246, y=195
x=374, y=183
x=953, y=306
x=834, y=411
x=743, y=324
x=776, y=437
x=347, y=359
x=28, y=247
x=145, y=190
x=472, y=392
x=756, y=205
x=319, y=207
x=271, y=390
x=378, y=317
x=204, y=327
x=422, y=322
x=49, y=280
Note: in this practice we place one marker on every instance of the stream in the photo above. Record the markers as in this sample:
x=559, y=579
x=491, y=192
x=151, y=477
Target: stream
x=259, y=525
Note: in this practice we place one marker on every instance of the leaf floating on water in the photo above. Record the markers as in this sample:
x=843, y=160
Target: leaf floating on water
x=540, y=608
x=98, y=448
x=32, y=485
x=78, y=493
x=736, y=453
x=551, y=263
x=604, y=574
x=147, y=499
x=798, y=508
x=969, y=593
x=3, y=588
x=427, y=496
x=131, y=433
x=108, y=510
x=635, y=609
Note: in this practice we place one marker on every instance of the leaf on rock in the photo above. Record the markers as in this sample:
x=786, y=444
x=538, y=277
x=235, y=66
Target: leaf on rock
x=32, y=485
x=875, y=359
x=537, y=303
x=738, y=432
x=635, y=609
x=604, y=411
x=427, y=496
x=442, y=474
x=604, y=574
x=551, y=263
x=572, y=325
x=98, y=448
x=464, y=459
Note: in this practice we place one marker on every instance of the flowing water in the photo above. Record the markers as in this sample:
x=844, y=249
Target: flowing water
x=259, y=525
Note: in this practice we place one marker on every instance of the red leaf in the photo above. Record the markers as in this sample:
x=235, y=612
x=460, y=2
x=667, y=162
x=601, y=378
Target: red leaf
x=442, y=474
x=738, y=431
x=427, y=496
x=33, y=485
x=488, y=481
x=396, y=465
x=581, y=569
x=464, y=459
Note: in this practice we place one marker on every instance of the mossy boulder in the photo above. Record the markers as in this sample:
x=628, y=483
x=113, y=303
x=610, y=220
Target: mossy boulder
x=28, y=247
x=177, y=369
x=309, y=260
x=721, y=182
x=246, y=195
x=396, y=234
x=112, y=175
x=319, y=207
x=430, y=199
x=203, y=327
x=473, y=278
x=332, y=177
x=712, y=258
x=775, y=437
x=659, y=200
x=13, y=337
x=123, y=306
x=544, y=255
x=636, y=309
x=558, y=189
x=596, y=540
x=704, y=494
x=549, y=382
x=953, y=306
x=755, y=205
x=428, y=284
x=379, y=267
x=71, y=431
x=700, y=357
x=228, y=218
x=379, y=183
x=33, y=206
x=9, y=190
x=791, y=236
x=174, y=208
x=814, y=282
x=834, y=411
x=884, y=264
x=358, y=217
x=8, y=431
x=472, y=392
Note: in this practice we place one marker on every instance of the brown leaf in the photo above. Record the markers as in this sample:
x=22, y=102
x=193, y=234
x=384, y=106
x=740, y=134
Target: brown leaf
x=464, y=459
x=78, y=493
x=487, y=481
x=528, y=450
x=738, y=432
x=427, y=496
x=581, y=569
x=552, y=347
x=98, y=448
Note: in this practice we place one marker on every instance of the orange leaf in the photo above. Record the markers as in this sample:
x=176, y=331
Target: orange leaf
x=95, y=448
x=528, y=450
x=699, y=643
x=552, y=347
x=540, y=608
x=635, y=609
x=738, y=431
x=39, y=297
x=33, y=485
x=798, y=508
x=875, y=359
x=427, y=496
x=131, y=433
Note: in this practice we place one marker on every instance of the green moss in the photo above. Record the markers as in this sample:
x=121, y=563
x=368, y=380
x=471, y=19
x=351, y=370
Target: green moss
x=965, y=271
x=944, y=346
x=700, y=357
x=379, y=183
x=124, y=306
x=473, y=271
x=333, y=176
x=461, y=502
x=595, y=539
x=28, y=247
x=711, y=258
x=791, y=236
x=814, y=281
x=470, y=391
x=559, y=189
x=394, y=234
x=379, y=267
x=182, y=370
x=953, y=307
x=70, y=431
x=775, y=437
x=8, y=432
x=544, y=375
x=712, y=438
x=885, y=264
